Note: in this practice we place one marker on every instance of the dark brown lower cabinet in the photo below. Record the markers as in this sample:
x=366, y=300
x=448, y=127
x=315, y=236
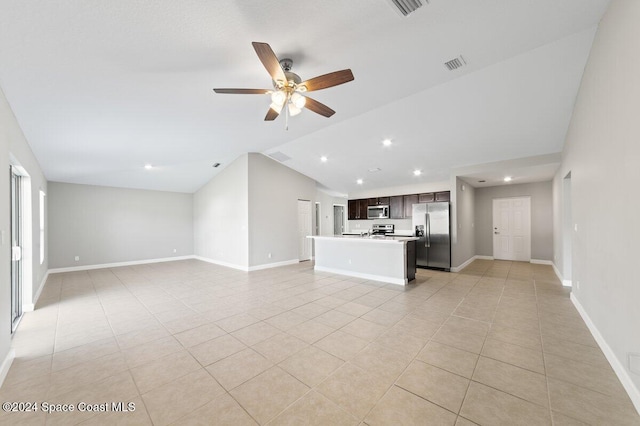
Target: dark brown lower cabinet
x=411, y=260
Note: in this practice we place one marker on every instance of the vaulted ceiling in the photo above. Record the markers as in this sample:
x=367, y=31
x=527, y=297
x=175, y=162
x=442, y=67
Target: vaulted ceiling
x=102, y=88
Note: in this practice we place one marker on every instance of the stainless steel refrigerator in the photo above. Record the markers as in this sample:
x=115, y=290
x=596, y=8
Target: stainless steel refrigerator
x=431, y=224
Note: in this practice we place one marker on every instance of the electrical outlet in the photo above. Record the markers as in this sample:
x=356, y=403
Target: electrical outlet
x=575, y=227
x=349, y=261
x=175, y=250
x=269, y=255
x=578, y=285
x=77, y=258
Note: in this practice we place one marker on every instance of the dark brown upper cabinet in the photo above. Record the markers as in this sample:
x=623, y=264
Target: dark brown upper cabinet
x=426, y=198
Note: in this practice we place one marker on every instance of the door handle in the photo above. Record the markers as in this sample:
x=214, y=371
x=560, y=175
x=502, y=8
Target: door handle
x=428, y=231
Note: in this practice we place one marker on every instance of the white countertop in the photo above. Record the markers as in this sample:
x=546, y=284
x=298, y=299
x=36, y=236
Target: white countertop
x=373, y=239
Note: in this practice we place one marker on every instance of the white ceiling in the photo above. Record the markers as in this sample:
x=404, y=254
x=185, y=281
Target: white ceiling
x=102, y=88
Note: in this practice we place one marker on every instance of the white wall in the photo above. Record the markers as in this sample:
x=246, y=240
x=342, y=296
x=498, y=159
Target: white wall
x=274, y=191
x=14, y=145
x=602, y=152
x=541, y=194
x=221, y=216
x=105, y=225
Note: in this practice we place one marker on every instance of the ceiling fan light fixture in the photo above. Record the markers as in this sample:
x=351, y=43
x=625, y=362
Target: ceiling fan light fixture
x=278, y=97
x=293, y=109
x=298, y=100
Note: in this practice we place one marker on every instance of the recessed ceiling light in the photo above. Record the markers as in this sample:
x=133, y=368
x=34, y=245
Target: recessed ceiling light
x=323, y=159
x=386, y=142
x=359, y=181
x=417, y=172
x=148, y=166
x=507, y=178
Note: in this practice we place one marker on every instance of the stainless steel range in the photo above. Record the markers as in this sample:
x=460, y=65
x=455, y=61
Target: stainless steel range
x=379, y=229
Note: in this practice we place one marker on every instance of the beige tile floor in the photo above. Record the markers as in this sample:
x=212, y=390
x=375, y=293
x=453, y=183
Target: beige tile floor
x=193, y=343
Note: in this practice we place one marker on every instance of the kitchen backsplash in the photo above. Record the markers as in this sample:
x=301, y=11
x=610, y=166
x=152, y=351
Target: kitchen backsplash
x=363, y=225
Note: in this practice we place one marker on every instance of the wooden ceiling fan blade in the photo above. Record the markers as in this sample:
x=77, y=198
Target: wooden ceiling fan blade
x=243, y=91
x=270, y=61
x=318, y=108
x=328, y=80
x=272, y=115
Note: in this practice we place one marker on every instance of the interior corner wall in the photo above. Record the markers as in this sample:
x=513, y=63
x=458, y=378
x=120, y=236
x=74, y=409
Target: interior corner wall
x=602, y=152
x=541, y=194
x=464, y=247
x=104, y=225
x=221, y=216
x=274, y=191
x=14, y=146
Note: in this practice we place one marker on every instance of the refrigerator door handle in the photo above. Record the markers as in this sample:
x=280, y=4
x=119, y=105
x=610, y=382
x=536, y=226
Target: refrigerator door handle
x=428, y=231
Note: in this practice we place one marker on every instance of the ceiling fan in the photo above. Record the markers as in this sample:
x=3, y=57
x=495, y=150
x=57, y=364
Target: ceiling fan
x=288, y=87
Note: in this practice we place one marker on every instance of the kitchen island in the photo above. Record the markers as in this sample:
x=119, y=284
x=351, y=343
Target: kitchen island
x=379, y=258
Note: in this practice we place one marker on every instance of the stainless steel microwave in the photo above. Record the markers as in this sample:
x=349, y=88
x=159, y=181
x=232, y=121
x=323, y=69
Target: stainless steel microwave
x=378, y=212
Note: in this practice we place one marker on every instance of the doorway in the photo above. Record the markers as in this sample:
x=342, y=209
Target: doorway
x=338, y=219
x=304, y=230
x=16, y=246
x=318, y=215
x=567, y=230
x=512, y=229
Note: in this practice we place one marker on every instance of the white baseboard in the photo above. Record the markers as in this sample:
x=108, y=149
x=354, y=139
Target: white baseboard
x=621, y=372
x=29, y=307
x=273, y=265
x=541, y=262
x=222, y=263
x=464, y=264
x=477, y=256
x=118, y=264
x=390, y=280
x=6, y=365
x=565, y=283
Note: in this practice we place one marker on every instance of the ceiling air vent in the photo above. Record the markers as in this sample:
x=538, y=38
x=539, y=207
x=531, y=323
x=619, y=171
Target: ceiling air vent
x=406, y=7
x=279, y=156
x=455, y=63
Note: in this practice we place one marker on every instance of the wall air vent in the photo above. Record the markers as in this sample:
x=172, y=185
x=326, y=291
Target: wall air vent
x=406, y=7
x=455, y=63
x=279, y=156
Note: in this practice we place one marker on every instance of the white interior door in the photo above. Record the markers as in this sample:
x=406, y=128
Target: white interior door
x=304, y=229
x=512, y=228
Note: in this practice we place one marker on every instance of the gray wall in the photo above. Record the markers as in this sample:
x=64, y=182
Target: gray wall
x=541, y=194
x=602, y=152
x=274, y=191
x=108, y=225
x=14, y=148
x=464, y=247
x=221, y=216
